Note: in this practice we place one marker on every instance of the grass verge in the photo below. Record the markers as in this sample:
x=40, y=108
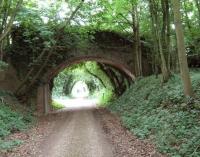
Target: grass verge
x=162, y=114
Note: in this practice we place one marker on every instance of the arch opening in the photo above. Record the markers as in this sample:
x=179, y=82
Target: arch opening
x=88, y=88
x=80, y=90
x=122, y=67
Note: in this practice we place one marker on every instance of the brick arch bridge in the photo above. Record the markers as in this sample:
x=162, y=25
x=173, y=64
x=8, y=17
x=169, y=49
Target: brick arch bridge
x=122, y=67
x=109, y=49
x=44, y=90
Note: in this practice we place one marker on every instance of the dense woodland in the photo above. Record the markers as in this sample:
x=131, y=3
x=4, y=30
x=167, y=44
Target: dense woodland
x=37, y=35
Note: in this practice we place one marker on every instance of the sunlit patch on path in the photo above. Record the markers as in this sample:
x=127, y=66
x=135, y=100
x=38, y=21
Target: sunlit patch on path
x=77, y=103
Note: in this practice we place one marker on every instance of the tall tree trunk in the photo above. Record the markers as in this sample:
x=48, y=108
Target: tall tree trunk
x=137, y=44
x=165, y=72
x=181, y=49
x=166, y=32
x=156, y=29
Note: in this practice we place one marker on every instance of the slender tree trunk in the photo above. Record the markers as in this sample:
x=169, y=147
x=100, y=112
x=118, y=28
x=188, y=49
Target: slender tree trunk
x=181, y=49
x=26, y=78
x=169, y=59
x=137, y=44
x=156, y=29
x=10, y=23
x=198, y=7
x=165, y=36
x=166, y=32
x=6, y=27
x=155, y=41
x=165, y=72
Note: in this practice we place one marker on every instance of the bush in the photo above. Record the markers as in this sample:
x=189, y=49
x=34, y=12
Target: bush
x=163, y=114
x=10, y=121
x=105, y=96
x=56, y=105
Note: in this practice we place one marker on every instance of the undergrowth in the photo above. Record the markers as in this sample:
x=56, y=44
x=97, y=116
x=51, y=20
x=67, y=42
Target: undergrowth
x=104, y=97
x=162, y=114
x=12, y=121
x=56, y=105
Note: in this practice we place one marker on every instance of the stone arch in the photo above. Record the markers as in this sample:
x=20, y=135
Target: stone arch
x=123, y=67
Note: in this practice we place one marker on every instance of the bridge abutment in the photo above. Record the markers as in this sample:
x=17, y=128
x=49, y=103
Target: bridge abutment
x=43, y=99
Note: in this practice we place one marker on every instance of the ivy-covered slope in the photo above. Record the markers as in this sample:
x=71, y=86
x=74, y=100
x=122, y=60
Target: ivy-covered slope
x=13, y=118
x=161, y=113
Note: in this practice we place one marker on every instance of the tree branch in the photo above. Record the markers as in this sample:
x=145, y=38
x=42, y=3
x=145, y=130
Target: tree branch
x=10, y=23
x=67, y=22
x=126, y=19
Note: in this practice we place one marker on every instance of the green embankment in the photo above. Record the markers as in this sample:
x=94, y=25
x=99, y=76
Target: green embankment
x=162, y=114
x=13, y=118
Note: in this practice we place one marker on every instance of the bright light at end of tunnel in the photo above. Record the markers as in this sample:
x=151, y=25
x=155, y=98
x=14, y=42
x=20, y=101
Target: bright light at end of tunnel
x=80, y=90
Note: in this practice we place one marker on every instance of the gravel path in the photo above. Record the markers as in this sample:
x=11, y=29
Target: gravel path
x=77, y=134
x=80, y=133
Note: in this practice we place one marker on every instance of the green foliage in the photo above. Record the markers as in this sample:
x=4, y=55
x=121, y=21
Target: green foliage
x=56, y=105
x=12, y=121
x=7, y=145
x=3, y=65
x=81, y=72
x=89, y=72
x=41, y=26
x=105, y=97
x=161, y=113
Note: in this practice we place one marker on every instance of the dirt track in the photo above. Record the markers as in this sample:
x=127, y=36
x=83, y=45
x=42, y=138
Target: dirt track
x=76, y=134
x=80, y=133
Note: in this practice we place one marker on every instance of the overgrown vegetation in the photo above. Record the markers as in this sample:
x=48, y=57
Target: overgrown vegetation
x=104, y=96
x=38, y=35
x=12, y=120
x=56, y=105
x=3, y=65
x=163, y=114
